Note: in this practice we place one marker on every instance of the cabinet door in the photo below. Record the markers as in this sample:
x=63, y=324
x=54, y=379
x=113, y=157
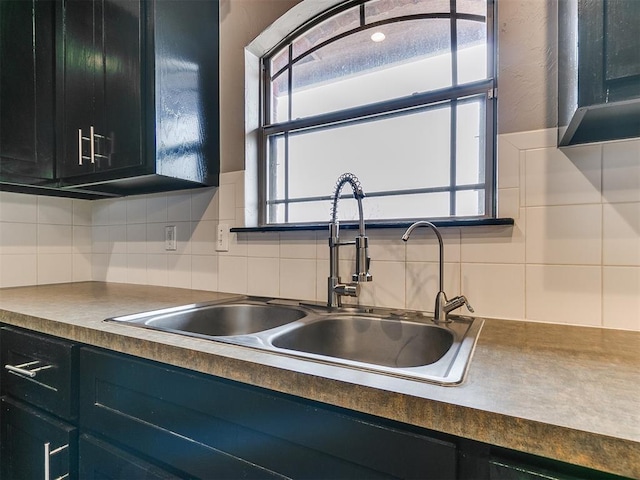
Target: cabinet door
x=35, y=445
x=27, y=90
x=622, y=49
x=609, y=51
x=200, y=424
x=99, y=460
x=101, y=87
x=119, y=118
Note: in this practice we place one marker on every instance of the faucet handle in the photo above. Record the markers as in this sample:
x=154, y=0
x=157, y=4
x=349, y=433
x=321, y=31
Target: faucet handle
x=457, y=302
x=462, y=300
x=467, y=304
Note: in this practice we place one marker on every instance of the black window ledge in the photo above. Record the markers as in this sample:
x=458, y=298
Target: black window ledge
x=470, y=222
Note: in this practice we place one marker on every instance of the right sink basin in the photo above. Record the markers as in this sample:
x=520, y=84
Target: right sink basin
x=371, y=340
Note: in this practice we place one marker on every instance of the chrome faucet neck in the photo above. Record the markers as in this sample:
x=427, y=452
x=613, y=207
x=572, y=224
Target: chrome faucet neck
x=442, y=305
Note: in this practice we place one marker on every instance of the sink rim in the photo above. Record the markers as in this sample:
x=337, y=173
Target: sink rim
x=450, y=370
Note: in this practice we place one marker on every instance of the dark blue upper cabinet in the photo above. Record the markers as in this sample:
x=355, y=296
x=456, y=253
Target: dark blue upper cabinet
x=138, y=86
x=598, y=70
x=27, y=91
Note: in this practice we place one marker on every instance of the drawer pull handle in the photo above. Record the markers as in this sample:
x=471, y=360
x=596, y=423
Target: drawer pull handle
x=27, y=372
x=48, y=453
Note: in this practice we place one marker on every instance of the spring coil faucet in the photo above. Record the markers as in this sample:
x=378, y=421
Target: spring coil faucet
x=336, y=289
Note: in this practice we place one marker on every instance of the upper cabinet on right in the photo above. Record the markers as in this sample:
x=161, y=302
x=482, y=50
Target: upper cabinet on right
x=598, y=70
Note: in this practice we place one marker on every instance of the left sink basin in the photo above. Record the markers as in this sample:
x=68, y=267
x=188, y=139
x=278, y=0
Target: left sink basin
x=216, y=320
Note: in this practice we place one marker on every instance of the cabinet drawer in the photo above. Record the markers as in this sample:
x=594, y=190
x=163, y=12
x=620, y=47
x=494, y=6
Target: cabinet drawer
x=40, y=370
x=148, y=407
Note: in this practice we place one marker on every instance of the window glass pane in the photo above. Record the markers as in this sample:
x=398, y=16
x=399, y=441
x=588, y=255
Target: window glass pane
x=356, y=70
x=406, y=207
x=401, y=207
x=470, y=203
x=276, y=167
x=475, y=7
x=280, y=98
x=336, y=25
x=381, y=10
x=279, y=60
x=418, y=156
x=319, y=211
x=469, y=148
x=472, y=51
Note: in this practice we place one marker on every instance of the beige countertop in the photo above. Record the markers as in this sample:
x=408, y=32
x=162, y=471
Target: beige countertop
x=562, y=392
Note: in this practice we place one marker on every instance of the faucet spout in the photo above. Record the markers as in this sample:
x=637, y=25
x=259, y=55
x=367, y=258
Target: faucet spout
x=442, y=305
x=337, y=289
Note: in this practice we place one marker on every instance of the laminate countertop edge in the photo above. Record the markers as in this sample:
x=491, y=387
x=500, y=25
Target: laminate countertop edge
x=582, y=410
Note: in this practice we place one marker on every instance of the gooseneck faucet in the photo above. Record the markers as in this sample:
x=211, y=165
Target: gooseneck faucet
x=336, y=289
x=442, y=306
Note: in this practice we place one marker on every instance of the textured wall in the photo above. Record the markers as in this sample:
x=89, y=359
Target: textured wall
x=240, y=22
x=527, y=65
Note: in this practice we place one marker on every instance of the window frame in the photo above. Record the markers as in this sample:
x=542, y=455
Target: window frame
x=394, y=107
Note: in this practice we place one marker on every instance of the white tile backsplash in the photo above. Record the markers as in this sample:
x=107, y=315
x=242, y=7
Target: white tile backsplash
x=621, y=297
x=564, y=294
x=15, y=207
x=621, y=234
x=55, y=268
x=553, y=178
x=495, y=290
x=261, y=275
x=297, y=278
x=18, y=238
x=55, y=210
x=621, y=171
x=573, y=255
x=232, y=274
x=566, y=235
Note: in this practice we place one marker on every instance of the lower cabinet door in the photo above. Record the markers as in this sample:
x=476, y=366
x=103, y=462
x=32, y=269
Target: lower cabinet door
x=100, y=460
x=208, y=427
x=36, y=445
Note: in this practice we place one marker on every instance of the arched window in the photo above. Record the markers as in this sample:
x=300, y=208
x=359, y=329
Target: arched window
x=399, y=92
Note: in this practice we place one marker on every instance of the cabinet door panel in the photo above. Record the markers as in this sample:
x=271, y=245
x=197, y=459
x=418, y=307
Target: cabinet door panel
x=27, y=90
x=120, y=135
x=622, y=44
x=99, y=460
x=25, y=433
x=81, y=57
x=148, y=406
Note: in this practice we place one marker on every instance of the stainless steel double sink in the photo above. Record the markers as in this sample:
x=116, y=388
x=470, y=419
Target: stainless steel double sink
x=393, y=342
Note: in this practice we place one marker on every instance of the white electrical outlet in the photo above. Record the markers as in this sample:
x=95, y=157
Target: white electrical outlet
x=170, y=242
x=222, y=238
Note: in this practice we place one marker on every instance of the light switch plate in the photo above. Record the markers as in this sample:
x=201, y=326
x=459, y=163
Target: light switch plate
x=170, y=242
x=222, y=238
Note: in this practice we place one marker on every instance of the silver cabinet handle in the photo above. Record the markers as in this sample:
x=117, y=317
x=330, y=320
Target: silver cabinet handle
x=79, y=146
x=27, y=372
x=93, y=144
x=81, y=139
x=48, y=453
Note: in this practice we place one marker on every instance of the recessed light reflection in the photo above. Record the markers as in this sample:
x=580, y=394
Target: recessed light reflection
x=378, y=37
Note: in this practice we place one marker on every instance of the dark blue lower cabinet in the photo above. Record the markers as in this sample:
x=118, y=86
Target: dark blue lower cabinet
x=35, y=444
x=206, y=427
x=99, y=460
